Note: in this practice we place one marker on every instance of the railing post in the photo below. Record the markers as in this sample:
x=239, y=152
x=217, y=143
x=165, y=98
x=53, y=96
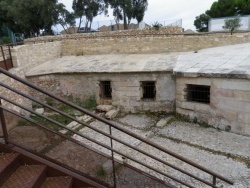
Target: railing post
x=112, y=154
x=3, y=123
x=10, y=56
x=4, y=60
x=214, y=180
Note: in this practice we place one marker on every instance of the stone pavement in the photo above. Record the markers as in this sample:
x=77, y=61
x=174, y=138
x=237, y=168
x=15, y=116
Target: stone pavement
x=224, y=153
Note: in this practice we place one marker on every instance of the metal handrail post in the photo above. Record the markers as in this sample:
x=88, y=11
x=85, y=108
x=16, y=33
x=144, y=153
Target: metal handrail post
x=10, y=56
x=112, y=154
x=4, y=60
x=3, y=123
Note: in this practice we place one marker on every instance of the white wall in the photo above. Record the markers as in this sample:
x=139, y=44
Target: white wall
x=216, y=24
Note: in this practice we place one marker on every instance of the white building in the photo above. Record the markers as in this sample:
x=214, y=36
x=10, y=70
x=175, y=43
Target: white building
x=216, y=24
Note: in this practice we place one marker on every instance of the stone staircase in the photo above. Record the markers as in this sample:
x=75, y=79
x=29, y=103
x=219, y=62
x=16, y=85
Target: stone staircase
x=19, y=168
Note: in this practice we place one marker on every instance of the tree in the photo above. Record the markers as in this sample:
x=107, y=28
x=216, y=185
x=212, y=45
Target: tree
x=128, y=10
x=65, y=18
x=232, y=24
x=201, y=23
x=29, y=17
x=222, y=8
x=88, y=9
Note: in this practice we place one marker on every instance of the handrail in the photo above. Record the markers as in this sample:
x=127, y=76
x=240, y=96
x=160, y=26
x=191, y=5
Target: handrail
x=97, y=130
x=111, y=124
x=5, y=54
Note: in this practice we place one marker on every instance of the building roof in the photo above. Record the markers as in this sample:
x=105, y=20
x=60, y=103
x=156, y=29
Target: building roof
x=116, y=63
x=221, y=62
x=228, y=61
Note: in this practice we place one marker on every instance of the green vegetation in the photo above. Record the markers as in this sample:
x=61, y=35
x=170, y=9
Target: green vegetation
x=232, y=24
x=89, y=103
x=157, y=26
x=100, y=171
x=222, y=8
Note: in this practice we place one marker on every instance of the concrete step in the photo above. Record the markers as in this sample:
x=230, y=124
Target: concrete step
x=58, y=182
x=26, y=176
x=8, y=164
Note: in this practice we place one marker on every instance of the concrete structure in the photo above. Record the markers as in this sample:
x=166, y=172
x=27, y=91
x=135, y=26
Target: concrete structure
x=82, y=77
x=216, y=24
x=224, y=70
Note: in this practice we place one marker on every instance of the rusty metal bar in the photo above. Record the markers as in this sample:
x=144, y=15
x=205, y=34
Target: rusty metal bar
x=116, y=151
x=112, y=155
x=119, y=128
x=4, y=60
x=10, y=56
x=214, y=180
x=108, y=135
x=3, y=123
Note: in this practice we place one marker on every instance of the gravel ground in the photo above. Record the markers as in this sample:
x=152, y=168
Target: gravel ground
x=209, y=138
x=225, y=153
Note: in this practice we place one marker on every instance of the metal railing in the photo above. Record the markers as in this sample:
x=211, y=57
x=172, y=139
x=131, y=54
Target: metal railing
x=5, y=57
x=113, y=151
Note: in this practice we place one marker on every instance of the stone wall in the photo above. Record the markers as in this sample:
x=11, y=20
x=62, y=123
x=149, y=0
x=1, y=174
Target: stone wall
x=229, y=107
x=107, y=34
x=27, y=56
x=126, y=89
x=11, y=120
x=150, y=44
x=112, y=43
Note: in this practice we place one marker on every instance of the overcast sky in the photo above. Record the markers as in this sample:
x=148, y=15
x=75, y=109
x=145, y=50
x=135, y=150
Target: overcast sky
x=163, y=10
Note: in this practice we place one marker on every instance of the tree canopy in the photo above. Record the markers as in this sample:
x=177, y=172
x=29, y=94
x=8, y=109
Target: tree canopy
x=36, y=17
x=128, y=10
x=88, y=9
x=29, y=17
x=222, y=8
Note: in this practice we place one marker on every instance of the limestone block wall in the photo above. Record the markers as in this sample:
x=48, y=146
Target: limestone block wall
x=126, y=89
x=150, y=41
x=11, y=119
x=150, y=44
x=27, y=56
x=229, y=107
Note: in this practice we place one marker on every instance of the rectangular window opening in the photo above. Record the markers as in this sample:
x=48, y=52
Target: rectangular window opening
x=106, y=90
x=148, y=90
x=198, y=93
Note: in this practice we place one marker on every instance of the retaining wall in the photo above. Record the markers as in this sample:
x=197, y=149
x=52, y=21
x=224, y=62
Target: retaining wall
x=229, y=107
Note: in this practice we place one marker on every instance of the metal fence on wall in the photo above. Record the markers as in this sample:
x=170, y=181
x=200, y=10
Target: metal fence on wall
x=112, y=25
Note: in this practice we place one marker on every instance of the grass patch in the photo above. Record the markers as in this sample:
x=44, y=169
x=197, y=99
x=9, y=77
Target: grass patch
x=100, y=171
x=59, y=118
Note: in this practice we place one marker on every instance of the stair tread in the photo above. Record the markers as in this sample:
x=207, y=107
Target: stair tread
x=24, y=176
x=57, y=182
x=6, y=159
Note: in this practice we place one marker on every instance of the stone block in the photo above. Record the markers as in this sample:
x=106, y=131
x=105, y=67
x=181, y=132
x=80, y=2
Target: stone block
x=244, y=117
x=188, y=105
x=39, y=110
x=202, y=107
x=163, y=122
x=242, y=95
x=104, y=108
x=238, y=127
x=233, y=84
x=247, y=129
x=112, y=114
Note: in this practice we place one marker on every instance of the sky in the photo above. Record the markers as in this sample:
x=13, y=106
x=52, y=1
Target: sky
x=163, y=10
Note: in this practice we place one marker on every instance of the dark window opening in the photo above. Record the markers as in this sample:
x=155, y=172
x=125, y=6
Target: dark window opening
x=148, y=90
x=106, y=90
x=198, y=93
